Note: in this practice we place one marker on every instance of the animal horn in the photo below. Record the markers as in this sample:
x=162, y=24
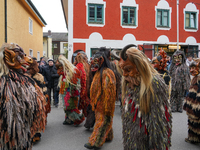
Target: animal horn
x=114, y=54
x=123, y=52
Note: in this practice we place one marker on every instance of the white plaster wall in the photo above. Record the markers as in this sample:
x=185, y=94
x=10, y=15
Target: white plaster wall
x=163, y=39
x=70, y=26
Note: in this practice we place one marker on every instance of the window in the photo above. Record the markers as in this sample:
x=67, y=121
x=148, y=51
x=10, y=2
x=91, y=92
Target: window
x=31, y=52
x=129, y=16
x=162, y=18
x=95, y=14
x=30, y=26
x=65, y=45
x=190, y=20
x=55, y=46
x=38, y=55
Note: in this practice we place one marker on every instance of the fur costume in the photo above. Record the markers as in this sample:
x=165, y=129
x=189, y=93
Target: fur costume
x=103, y=96
x=22, y=107
x=146, y=115
x=192, y=106
x=180, y=81
x=70, y=90
x=83, y=67
x=39, y=79
x=33, y=70
x=81, y=60
x=160, y=63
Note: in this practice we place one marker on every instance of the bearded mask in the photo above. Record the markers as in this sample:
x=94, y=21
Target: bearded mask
x=97, y=62
x=15, y=58
x=59, y=68
x=194, y=69
x=130, y=72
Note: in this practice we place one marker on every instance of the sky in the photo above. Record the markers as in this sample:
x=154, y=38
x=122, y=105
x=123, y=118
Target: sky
x=52, y=12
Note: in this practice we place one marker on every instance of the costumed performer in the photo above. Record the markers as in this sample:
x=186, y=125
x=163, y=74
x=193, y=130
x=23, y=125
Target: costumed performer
x=84, y=69
x=70, y=90
x=146, y=113
x=192, y=105
x=102, y=97
x=22, y=107
x=180, y=81
x=33, y=70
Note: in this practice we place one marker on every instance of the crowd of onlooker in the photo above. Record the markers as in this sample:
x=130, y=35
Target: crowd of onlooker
x=48, y=70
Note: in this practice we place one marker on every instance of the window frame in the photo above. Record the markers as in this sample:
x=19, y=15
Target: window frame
x=38, y=55
x=135, y=15
x=162, y=17
x=195, y=23
x=55, y=45
x=31, y=52
x=95, y=14
x=30, y=26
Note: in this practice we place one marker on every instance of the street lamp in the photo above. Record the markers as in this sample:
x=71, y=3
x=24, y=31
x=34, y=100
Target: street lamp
x=177, y=25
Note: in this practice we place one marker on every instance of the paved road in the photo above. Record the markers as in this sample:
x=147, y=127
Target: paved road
x=63, y=137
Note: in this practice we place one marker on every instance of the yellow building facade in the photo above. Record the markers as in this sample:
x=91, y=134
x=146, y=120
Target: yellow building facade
x=47, y=46
x=22, y=24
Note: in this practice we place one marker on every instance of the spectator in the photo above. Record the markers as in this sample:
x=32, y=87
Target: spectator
x=56, y=89
x=189, y=60
x=168, y=62
x=47, y=73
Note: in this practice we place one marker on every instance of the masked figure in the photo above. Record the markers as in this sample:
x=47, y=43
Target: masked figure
x=146, y=115
x=102, y=96
x=180, y=81
x=33, y=70
x=160, y=63
x=192, y=105
x=70, y=87
x=84, y=69
x=22, y=110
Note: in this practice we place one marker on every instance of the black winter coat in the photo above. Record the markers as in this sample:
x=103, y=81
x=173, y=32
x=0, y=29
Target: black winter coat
x=55, y=77
x=47, y=73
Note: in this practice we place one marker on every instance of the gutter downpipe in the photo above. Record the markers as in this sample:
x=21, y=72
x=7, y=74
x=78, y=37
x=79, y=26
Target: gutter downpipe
x=177, y=25
x=47, y=47
x=5, y=21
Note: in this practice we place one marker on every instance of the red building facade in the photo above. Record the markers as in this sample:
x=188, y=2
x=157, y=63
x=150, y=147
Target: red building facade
x=151, y=24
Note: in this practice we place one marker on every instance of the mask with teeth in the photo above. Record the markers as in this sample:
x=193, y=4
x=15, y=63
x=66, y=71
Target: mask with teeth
x=15, y=58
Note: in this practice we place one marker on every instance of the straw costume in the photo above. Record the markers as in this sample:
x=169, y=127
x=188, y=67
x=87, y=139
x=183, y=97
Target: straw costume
x=70, y=90
x=33, y=70
x=192, y=105
x=160, y=63
x=180, y=79
x=146, y=115
x=22, y=107
x=102, y=95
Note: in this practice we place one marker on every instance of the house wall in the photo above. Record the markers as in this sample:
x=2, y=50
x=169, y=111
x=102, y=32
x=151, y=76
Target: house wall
x=44, y=46
x=113, y=35
x=18, y=28
x=2, y=22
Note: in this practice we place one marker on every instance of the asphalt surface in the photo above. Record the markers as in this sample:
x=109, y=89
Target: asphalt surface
x=68, y=137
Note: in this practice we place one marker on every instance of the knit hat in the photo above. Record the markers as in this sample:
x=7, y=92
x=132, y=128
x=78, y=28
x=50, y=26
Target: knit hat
x=50, y=59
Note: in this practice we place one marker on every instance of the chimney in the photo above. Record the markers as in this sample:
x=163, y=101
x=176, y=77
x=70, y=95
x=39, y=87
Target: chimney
x=49, y=32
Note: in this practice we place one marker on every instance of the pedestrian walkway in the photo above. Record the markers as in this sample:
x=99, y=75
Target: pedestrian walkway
x=63, y=137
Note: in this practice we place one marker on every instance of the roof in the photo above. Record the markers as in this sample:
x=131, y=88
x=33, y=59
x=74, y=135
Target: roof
x=56, y=36
x=32, y=6
x=65, y=10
